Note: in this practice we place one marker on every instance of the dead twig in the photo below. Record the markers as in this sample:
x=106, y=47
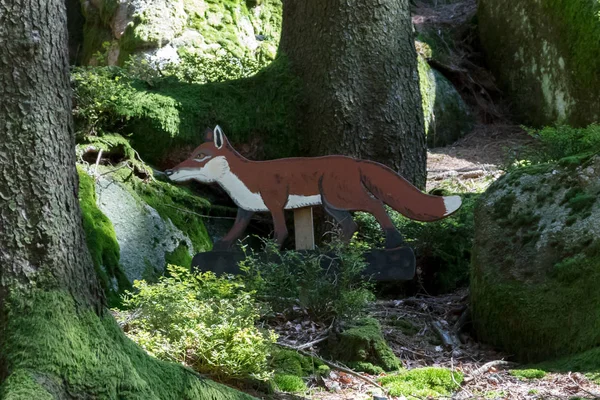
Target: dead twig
x=596, y=395
x=485, y=368
x=310, y=344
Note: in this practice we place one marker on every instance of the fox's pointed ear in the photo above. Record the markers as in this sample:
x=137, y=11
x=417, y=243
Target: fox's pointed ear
x=219, y=137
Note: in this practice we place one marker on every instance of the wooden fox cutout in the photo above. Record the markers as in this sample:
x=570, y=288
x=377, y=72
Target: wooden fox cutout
x=340, y=184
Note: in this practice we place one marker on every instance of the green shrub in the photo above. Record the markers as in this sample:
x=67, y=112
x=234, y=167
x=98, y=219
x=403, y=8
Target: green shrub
x=563, y=141
x=205, y=322
x=160, y=115
x=327, y=283
x=442, y=248
x=101, y=98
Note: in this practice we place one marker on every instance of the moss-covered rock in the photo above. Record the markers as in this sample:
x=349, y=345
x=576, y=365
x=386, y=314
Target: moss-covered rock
x=53, y=350
x=536, y=260
x=155, y=223
x=160, y=29
x=363, y=342
x=447, y=117
x=545, y=55
x=135, y=226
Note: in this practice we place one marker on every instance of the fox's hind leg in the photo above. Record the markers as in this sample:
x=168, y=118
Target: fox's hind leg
x=393, y=238
x=360, y=200
x=343, y=217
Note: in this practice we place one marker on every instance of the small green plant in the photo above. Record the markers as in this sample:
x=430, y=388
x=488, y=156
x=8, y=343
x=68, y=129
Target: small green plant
x=327, y=283
x=564, y=141
x=101, y=95
x=202, y=321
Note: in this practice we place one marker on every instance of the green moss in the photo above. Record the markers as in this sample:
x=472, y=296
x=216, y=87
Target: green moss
x=289, y=362
x=102, y=242
x=289, y=383
x=361, y=366
x=180, y=256
x=181, y=207
x=21, y=385
x=114, y=147
x=47, y=342
x=587, y=362
x=406, y=326
x=446, y=116
x=364, y=342
x=534, y=322
x=422, y=382
x=531, y=48
x=220, y=23
x=427, y=87
x=528, y=373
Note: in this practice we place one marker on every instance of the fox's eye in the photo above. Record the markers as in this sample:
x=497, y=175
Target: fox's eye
x=201, y=157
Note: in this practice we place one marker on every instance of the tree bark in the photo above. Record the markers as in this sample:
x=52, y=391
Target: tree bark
x=358, y=65
x=55, y=339
x=42, y=239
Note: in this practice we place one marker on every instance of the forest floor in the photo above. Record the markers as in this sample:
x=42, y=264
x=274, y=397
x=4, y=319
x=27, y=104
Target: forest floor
x=423, y=330
x=476, y=160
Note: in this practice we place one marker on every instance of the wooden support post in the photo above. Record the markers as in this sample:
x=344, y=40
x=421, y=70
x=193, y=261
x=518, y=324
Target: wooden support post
x=304, y=229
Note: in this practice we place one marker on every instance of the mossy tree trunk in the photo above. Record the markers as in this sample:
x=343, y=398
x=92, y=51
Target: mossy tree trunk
x=358, y=66
x=55, y=341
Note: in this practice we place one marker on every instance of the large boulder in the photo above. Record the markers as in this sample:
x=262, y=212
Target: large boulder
x=160, y=29
x=546, y=56
x=135, y=227
x=536, y=260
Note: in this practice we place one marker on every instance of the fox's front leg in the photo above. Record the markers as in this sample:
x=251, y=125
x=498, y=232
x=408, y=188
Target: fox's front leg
x=239, y=226
x=275, y=202
x=281, y=231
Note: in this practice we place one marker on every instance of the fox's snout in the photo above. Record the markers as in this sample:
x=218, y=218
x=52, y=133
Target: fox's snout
x=169, y=172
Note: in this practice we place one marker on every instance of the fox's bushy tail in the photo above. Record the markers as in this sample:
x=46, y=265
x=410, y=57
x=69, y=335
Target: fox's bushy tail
x=402, y=196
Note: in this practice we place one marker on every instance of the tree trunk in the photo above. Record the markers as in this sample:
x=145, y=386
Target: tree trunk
x=358, y=66
x=55, y=341
x=42, y=239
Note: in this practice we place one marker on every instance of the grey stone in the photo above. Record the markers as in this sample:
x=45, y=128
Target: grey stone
x=143, y=236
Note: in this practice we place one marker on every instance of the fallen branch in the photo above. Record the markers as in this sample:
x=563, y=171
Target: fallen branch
x=594, y=394
x=485, y=368
x=448, y=338
x=334, y=365
x=310, y=344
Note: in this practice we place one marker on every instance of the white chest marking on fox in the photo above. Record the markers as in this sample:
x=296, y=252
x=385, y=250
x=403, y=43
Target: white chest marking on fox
x=240, y=194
